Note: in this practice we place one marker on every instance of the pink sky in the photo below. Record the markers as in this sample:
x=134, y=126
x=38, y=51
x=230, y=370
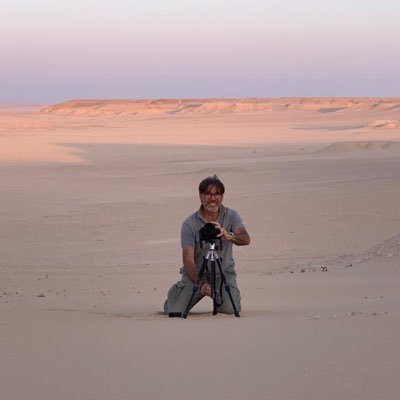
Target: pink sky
x=91, y=49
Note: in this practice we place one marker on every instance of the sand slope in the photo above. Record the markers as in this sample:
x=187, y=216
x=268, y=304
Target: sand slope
x=92, y=196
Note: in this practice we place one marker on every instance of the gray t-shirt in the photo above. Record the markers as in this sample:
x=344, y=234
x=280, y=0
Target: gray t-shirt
x=229, y=219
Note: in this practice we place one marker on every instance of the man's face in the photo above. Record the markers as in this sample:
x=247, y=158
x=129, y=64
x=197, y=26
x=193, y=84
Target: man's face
x=211, y=199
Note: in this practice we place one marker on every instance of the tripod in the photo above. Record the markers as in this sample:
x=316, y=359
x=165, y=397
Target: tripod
x=213, y=257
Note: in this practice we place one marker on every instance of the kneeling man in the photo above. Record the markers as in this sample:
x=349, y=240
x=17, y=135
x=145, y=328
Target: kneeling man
x=233, y=231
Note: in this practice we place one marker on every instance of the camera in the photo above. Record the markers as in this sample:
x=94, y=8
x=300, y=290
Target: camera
x=209, y=232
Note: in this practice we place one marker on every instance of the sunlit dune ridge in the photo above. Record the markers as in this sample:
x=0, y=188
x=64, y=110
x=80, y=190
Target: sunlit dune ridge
x=384, y=124
x=217, y=106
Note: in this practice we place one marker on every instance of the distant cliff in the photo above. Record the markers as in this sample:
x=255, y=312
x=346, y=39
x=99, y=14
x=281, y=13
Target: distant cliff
x=217, y=106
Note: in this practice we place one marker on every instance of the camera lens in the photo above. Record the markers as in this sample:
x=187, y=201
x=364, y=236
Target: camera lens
x=209, y=229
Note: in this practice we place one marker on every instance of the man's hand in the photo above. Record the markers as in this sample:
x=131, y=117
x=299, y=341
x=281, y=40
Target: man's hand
x=224, y=233
x=205, y=290
x=240, y=236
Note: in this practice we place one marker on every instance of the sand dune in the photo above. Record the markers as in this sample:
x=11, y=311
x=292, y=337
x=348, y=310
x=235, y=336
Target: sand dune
x=216, y=106
x=92, y=196
x=384, y=124
x=24, y=123
x=378, y=253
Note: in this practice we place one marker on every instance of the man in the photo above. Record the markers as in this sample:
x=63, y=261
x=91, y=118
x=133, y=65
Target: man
x=233, y=231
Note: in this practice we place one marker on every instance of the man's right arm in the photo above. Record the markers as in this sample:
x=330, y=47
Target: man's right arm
x=188, y=242
x=188, y=263
x=191, y=270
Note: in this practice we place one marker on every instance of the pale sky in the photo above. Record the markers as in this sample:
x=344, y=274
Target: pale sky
x=53, y=51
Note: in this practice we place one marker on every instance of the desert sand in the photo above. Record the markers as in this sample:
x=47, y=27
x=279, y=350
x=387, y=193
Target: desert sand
x=92, y=195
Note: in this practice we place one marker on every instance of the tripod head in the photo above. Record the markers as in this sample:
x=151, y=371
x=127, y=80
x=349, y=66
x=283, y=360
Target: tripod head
x=212, y=242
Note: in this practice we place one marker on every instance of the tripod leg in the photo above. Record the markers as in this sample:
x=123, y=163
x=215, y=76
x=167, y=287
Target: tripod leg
x=214, y=287
x=195, y=287
x=227, y=288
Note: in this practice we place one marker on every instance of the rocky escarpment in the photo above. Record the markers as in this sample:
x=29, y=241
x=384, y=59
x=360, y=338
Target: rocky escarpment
x=220, y=106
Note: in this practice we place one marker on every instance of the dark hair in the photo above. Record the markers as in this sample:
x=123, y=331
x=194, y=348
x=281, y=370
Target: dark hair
x=211, y=181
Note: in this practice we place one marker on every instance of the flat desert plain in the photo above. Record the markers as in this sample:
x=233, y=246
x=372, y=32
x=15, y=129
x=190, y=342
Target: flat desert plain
x=93, y=193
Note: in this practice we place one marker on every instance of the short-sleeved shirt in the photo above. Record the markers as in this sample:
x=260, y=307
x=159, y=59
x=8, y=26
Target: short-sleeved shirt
x=229, y=219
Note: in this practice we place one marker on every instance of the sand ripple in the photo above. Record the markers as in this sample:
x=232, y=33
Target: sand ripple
x=361, y=146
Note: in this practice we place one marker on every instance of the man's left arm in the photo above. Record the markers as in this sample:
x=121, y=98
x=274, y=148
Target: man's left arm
x=239, y=236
